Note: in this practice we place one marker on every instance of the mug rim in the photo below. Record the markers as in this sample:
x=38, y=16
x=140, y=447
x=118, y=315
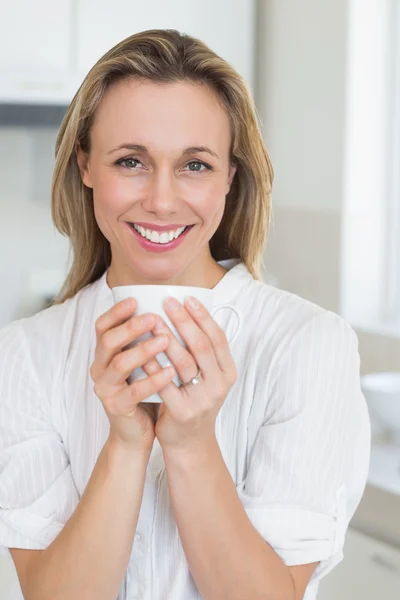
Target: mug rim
x=162, y=286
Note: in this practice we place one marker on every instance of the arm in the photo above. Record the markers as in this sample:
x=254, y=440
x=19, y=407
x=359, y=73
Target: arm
x=81, y=553
x=89, y=557
x=227, y=556
x=301, y=503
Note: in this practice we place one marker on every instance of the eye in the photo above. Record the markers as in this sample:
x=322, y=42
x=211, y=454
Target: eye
x=195, y=166
x=127, y=162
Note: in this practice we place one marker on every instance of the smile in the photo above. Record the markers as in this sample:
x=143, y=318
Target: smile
x=155, y=242
x=158, y=237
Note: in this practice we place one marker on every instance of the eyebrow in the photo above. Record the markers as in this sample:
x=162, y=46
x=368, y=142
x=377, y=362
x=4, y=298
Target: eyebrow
x=189, y=150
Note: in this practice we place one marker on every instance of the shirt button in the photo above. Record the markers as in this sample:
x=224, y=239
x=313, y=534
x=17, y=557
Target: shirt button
x=138, y=537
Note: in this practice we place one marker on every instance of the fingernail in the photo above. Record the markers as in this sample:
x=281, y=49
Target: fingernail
x=159, y=323
x=159, y=340
x=193, y=303
x=173, y=303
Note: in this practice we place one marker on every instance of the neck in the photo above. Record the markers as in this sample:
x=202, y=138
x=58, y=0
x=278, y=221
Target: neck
x=206, y=276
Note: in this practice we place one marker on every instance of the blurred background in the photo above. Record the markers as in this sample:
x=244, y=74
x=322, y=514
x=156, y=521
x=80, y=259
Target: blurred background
x=325, y=76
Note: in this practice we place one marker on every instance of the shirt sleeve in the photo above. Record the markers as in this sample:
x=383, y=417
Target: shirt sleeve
x=308, y=467
x=37, y=491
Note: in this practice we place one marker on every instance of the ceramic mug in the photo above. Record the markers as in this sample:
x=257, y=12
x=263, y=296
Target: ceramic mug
x=149, y=299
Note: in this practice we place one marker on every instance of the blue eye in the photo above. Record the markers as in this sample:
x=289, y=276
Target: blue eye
x=126, y=160
x=195, y=166
x=198, y=162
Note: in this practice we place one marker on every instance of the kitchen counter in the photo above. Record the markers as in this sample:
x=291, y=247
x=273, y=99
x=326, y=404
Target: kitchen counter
x=378, y=513
x=384, y=470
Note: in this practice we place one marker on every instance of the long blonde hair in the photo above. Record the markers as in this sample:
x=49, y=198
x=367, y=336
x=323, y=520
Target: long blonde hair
x=163, y=56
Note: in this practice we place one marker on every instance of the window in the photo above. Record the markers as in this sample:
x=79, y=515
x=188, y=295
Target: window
x=370, y=258
x=393, y=307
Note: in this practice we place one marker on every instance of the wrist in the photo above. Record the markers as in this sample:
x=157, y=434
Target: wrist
x=124, y=450
x=193, y=453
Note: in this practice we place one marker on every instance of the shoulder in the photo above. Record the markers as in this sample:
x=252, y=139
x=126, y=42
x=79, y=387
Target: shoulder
x=307, y=362
x=281, y=322
x=307, y=359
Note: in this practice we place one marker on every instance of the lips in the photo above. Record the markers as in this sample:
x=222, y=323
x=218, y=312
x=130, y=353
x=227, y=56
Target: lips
x=156, y=246
x=160, y=232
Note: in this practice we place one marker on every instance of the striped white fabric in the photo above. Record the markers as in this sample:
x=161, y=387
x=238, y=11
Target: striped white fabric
x=294, y=431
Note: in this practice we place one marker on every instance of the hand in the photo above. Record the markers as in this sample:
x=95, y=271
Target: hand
x=187, y=417
x=131, y=423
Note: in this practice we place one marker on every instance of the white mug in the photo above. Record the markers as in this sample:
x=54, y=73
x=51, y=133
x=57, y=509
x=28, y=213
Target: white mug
x=149, y=299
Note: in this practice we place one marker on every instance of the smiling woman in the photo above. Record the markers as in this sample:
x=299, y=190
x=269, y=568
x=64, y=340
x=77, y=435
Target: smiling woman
x=164, y=182
x=169, y=142
x=243, y=482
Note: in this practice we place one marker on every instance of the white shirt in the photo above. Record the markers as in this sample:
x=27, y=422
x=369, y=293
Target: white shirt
x=294, y=431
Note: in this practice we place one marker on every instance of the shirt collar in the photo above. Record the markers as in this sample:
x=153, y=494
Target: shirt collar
x=225, y=291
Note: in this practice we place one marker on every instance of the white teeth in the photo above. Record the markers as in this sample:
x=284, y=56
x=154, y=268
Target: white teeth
x=154, y=236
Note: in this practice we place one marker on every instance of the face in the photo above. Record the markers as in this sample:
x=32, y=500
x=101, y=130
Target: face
x=159, y=157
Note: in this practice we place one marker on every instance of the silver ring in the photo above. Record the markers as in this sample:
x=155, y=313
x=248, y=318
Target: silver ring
x=195, y=380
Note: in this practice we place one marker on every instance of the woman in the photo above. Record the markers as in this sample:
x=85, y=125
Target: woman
x=243, y=483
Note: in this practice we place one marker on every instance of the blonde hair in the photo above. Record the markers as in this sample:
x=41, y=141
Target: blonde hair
x=162, y=56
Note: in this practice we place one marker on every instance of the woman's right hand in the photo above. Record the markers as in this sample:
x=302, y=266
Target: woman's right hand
x=131, y=423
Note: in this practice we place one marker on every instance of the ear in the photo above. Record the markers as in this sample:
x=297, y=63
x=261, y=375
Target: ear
x=232, y=171
x=82, y=160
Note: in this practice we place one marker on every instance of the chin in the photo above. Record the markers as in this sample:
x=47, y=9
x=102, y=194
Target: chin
x=158, y=270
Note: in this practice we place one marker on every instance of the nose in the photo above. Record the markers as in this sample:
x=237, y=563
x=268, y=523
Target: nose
x=162, y=197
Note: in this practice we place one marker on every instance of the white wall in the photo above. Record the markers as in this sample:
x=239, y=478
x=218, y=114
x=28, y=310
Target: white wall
x=30, y=247
x=301, y=98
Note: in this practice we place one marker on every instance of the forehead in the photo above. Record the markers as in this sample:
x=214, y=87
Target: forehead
x=176, y=115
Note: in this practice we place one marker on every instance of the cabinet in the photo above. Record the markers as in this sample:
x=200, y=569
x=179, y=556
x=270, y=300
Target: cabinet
x=35, y=50
x=47, y=47
x=9, y=585
x=35, y=35
x=369, y=570
x=228, y=28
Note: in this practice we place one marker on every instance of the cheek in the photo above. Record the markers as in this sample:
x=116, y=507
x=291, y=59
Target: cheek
x=207, y=198
x=112, y=197
x=111, y=193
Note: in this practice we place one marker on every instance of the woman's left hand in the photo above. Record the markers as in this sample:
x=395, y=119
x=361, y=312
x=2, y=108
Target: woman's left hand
x=186, y=419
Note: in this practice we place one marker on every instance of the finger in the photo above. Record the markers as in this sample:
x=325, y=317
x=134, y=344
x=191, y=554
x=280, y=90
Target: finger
x=200, y=348
x=171, y=390
x=115, y=339
x=116, y=315
x=138, y=391
x=170, y=395
x=178, y=355
x=216, y=336
x=125, y=362
x=151, y=366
